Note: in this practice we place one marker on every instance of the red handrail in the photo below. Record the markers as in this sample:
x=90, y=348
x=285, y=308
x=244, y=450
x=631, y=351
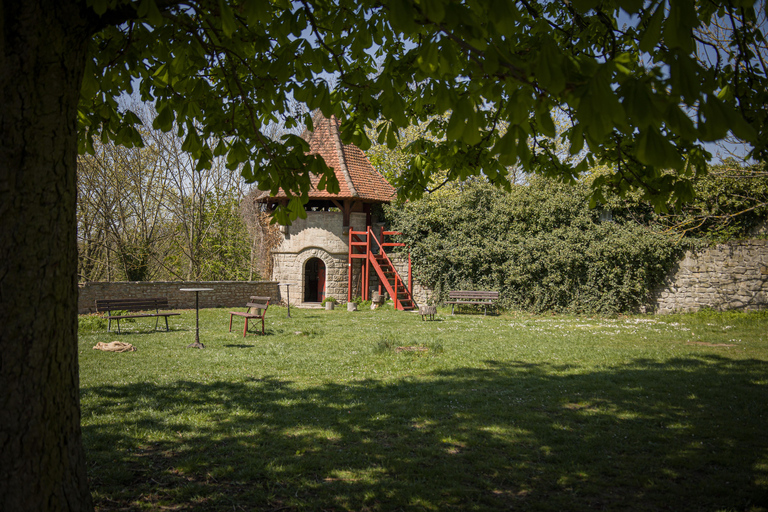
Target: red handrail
x=370, y=238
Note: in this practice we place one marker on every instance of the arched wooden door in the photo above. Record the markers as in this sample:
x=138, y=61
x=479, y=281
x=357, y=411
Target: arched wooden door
x=321, y=281
x=314, y=280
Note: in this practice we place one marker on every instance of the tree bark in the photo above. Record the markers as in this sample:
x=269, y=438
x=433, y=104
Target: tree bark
x=43, y=47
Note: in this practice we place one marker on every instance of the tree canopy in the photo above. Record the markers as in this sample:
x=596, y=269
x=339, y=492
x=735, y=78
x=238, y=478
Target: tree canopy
x=643, y=85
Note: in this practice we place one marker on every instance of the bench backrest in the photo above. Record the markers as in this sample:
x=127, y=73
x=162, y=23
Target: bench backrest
x=473, y=294
x=108, y=305
x=258, y=305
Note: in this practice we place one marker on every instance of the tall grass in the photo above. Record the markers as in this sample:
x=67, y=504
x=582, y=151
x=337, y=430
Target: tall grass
x=378, y=410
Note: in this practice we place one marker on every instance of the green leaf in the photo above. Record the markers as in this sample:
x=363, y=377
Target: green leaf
x=472, y=133
x=717, y=120
x=585, y=5
x=655, y=150
x=105, y=111
x=678, y=27
x=238, y=153
x=458, y=121
x=631, y=6
x=402, y=16
x=599, y=109
x=434, y=10
x=256, y=11
x=228, y=24
x=91, y=84
x=154, y=15
x=143, y=9
x=545, y=124
x=638, y=103
x=99, y=6
x=296, y=208
x=684, y=76
x=391, y=136
x=549, y=68
x=576, y=137
x=739, y=126
x=429, y=58
x=164, y=119
x=680, y=123
x=220, y=149
x=192, y=144
x=247, y=172
x=652, y=33
x=506, y=148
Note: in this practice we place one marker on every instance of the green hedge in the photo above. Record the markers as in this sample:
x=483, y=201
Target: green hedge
x=539, y=245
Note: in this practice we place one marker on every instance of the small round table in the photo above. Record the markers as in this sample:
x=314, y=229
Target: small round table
x=197, y=291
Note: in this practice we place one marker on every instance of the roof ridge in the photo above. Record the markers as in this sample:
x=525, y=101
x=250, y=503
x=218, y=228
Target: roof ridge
x=342, y=157
x=358, y=179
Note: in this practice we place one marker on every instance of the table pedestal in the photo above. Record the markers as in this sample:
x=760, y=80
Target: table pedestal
x=197, y=291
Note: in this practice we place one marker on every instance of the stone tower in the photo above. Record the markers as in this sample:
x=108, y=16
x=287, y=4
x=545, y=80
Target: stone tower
x=313, y=254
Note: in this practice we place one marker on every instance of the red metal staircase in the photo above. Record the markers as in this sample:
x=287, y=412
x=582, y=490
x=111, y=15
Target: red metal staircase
x=366, y=246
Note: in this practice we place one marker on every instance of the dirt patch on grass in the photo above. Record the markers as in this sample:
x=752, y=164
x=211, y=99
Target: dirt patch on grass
x=705, y=344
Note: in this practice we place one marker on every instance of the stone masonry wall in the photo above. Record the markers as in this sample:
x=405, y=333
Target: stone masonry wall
x=289, y=268
x=319, y=229
x=320, y=235
x=225, y=294
x=730, y=276
x=421, y=294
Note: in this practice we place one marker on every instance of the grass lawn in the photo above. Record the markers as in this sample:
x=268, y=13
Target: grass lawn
x=327, y=412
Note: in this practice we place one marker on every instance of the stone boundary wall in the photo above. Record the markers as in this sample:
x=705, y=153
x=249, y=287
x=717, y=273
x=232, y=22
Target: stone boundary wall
x=421, y=294
x=225, y=294
x=724, y=277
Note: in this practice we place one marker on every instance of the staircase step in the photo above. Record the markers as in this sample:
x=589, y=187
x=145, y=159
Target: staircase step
x=393, y=283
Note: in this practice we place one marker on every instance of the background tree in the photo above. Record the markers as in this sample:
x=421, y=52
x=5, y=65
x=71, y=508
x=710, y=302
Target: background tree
x=264, y=234
x=199, y=205
x=146, y=213
x=729, y=203
x=729, y=45
x=213, y=242
x=223, y=70
x=122, y=228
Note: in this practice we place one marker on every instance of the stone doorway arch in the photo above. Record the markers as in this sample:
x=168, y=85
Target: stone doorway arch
x=314, y=280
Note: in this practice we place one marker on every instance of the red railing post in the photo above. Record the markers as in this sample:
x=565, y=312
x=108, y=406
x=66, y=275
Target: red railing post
x=366, y=280
x=410, y=279
x=349, y=267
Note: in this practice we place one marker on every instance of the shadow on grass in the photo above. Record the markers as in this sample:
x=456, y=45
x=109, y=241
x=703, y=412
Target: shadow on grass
x=688, y=434
x=141, y=331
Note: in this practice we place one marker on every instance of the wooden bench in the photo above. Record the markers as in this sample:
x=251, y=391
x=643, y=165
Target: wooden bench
x=483, y=298
x=257, y=309
x=133, y=308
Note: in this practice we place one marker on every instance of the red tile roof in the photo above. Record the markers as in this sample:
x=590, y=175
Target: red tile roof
x=357, y=177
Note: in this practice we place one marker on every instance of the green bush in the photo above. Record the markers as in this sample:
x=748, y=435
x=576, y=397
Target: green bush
x=91, y=323
x=730, y=203
x=361, y=303
x=540, y=246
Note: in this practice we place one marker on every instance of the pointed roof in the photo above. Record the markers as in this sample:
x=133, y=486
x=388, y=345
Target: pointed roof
x=357, y=177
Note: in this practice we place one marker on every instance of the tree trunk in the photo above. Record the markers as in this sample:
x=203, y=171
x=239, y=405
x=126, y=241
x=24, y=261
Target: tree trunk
x=43, y=47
